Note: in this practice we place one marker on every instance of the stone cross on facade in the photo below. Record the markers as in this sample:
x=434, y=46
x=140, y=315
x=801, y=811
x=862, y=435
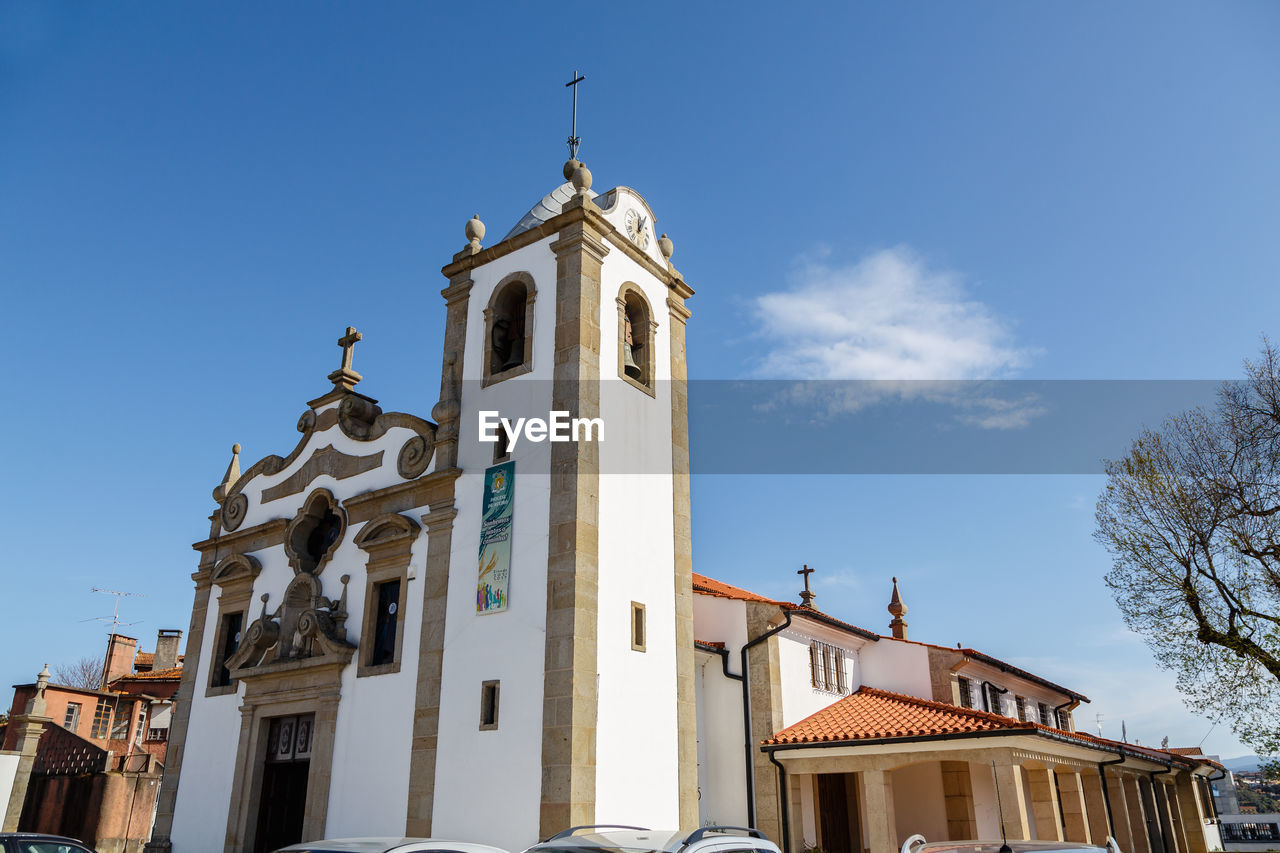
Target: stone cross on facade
x=807, y=597
x=345, y=377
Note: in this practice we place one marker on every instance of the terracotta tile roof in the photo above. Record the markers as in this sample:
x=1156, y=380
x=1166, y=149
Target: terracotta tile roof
x=1003, y=666
x=1185, y=750
x=708, y=586
x=173, y=673
x=720, y=589
x=149, y=659
x=871, y=714
x=708, y=644
x=814, y=613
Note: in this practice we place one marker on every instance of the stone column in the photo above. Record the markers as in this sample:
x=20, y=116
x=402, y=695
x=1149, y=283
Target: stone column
x=167, y=799
x=1075, y=821
x=1139, y=830
x=426, y=712
x=957, y=793
x=1164, y=810
x=686, y=709
x=1122, y=824
x=764, y=684
x=877, y=811
x=1095, y=807
x=29, y=726
x=1013, y=801
x=1192, y=814
x=457, y=298
x=1044, y=803
x=570, y=694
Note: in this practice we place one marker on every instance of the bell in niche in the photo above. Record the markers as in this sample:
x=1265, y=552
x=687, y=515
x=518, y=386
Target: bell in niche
x=508, y=345
x=629, y=366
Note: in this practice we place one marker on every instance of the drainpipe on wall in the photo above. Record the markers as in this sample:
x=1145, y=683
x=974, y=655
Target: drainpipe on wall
x=782, y=794
x=746, y=716
x=1106, y=795
x=1072, y=704
x=986, y=699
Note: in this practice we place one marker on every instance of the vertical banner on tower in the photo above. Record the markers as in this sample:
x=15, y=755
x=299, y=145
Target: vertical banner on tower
x=495, y=538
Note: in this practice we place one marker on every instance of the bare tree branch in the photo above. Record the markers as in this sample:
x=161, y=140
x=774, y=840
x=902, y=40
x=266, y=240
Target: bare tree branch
x=1191, y=517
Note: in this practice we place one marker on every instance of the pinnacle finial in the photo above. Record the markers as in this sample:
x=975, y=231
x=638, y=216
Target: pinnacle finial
x=666, y=247
x=229, y=479
x=474, y=231
x=897, y=610
x=581, y=179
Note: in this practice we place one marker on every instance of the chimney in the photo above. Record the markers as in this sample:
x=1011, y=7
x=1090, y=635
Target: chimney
x=897, y=609
x=167, y=642
x=120, y=654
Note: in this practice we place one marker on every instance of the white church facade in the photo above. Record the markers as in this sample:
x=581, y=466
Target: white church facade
x=401, y=628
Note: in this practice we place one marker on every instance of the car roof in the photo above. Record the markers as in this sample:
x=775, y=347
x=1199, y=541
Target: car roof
x=1015, y=846
x=643, y=839
x=383, y=844
x=42, y=836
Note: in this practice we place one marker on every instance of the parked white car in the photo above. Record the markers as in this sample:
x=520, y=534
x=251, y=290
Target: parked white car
x=918, y=844
x=388, y=845
x=633, y=839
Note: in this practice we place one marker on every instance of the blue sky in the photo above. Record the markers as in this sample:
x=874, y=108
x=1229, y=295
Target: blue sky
x=196, y=200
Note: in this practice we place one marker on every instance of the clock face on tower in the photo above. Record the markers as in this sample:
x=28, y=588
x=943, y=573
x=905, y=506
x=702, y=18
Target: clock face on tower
x=637, y=228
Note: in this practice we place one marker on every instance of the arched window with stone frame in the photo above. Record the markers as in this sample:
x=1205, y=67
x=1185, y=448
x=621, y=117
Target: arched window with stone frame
x=637, y=331
x=508, y=328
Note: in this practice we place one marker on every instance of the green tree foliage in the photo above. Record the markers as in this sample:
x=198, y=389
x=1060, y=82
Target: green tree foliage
x=1191, y=517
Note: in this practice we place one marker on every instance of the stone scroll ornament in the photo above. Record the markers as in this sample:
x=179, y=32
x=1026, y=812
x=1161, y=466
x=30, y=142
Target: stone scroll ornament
x=305, y=625
x=360, y=419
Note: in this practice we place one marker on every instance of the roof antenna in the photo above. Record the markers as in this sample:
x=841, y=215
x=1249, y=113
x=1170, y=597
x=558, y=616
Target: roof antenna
x=1004, y=842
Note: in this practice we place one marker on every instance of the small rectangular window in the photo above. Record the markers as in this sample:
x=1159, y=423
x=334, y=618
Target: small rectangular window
x=385, y=622
x=120, y=722
x=101, y=719
x=1044, y=714
x=71, y=721
x=826, y=667
x=1062, y=720
x=228, y=643
x=489, y=692
x=966, y=693
x=994, y=703
x=501, y=450
x=637, y=627
x=1021, y=705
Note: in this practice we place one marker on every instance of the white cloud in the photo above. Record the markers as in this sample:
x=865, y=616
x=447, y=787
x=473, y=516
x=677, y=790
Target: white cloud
x=905, y=331
x=887, y=316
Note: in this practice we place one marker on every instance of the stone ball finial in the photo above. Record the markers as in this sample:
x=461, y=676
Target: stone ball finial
x=666, y=247
x=474, y=230
x=581, y=179
x=570, y=167
x=235, y=448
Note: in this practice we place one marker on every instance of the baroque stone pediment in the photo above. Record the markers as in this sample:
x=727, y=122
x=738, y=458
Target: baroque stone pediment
x=360, y=419
x=306, y=627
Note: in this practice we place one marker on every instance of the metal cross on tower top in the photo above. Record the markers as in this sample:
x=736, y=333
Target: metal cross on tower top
x=807, y=596
x=573, y=132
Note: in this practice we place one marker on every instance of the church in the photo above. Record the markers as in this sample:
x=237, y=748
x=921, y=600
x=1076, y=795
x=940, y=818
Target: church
x=485, y=625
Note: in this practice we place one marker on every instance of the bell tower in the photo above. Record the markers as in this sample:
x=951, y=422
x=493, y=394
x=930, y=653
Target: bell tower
x=566, y=688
